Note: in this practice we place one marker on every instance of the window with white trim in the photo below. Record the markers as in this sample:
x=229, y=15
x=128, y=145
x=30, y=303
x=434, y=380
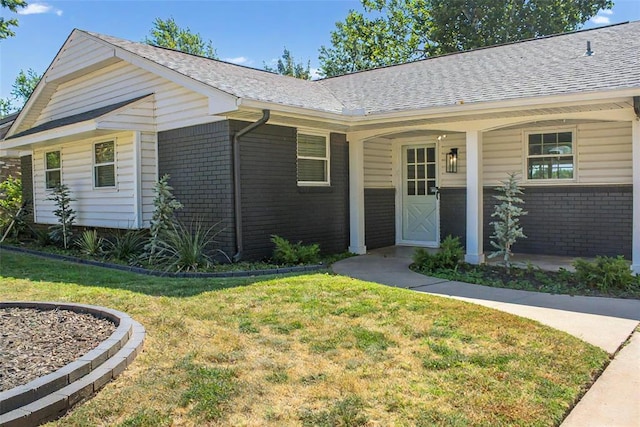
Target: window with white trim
x=550, y=155
x=313, y=159
x=104, y=164
x=52, y=169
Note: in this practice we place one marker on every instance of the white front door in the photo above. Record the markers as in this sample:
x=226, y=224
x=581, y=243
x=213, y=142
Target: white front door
x=420, y=217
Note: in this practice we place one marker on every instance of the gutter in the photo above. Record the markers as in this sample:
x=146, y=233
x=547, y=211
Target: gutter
x=237, y=192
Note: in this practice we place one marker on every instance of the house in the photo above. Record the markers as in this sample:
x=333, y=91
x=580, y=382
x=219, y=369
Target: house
x=398, y=155
x=9, y=166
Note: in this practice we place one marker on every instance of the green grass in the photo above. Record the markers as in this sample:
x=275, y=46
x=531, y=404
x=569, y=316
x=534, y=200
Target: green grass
x=313, y=350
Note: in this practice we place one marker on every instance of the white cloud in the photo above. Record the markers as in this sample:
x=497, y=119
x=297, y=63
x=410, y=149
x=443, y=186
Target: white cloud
x=599, y=19
x=240, y=60
x=606, y=12
x=39, y=8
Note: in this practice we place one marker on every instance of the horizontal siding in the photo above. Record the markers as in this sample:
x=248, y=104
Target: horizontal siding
x=453, y=140
x=378, y=166
x=604, y=153
x=140, y=117
x=79, y=53
x=120, y=82
x=104, y=207
x=502, y=153
x=149, y=166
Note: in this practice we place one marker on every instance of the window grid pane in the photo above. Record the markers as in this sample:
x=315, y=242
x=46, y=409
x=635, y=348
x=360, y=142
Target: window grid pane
x=421, y=171
x=104, y=170
x=53, y=175
x=550, y=156
x=313, y=158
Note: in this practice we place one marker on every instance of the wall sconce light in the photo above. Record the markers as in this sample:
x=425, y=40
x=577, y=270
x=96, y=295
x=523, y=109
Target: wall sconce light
x=452, y=161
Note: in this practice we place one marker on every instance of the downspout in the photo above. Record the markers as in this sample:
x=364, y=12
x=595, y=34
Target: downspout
x=237, y=194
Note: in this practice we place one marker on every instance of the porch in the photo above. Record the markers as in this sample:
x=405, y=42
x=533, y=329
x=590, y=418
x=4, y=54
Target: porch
x=582, y=193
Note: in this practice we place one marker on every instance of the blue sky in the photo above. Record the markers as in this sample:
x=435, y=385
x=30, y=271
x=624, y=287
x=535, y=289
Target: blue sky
x=247, y=32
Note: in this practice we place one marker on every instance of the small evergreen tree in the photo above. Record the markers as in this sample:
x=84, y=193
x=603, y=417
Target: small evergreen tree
x=62, y=232
x=507, y=228
x=162, y=221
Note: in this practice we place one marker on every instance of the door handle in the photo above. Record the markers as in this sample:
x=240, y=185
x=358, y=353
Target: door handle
x=436, y=191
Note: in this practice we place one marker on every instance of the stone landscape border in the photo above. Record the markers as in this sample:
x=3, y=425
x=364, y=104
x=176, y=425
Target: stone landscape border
x=51, y=396
x=140, y=270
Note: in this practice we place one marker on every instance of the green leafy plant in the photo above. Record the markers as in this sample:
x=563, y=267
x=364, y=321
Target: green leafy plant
x=62, y=232
x=184, y=248
x=448, y=257
x=507, y=229
x=127, y=246
x=605, y=273
x=165, y=204
x=11, y=206
x=90, y=243
x=286, y=252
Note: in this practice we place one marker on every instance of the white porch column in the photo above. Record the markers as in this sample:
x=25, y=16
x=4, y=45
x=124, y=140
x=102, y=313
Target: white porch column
x=475, y=253
x=356, y=196
x=635, y=137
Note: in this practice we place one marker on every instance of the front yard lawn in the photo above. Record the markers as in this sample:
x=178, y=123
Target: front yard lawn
x=313, y=350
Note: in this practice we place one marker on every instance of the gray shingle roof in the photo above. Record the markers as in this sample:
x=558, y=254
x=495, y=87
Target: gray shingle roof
x=243, y=82
x=76, y=118
x=540, y=67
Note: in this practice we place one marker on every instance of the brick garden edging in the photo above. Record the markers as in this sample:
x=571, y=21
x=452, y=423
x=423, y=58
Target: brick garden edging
x=51, y=396
x=140, y=270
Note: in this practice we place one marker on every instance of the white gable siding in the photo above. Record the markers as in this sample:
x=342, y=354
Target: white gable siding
x=102, y=207
x=79, y=53
x=121, y=82
x=138, y=117
x=378, y=166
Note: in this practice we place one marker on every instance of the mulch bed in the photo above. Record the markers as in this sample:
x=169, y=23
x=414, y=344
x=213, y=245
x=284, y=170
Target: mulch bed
x=34, y=343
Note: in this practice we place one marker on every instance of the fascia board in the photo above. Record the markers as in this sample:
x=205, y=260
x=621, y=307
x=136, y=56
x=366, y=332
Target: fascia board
x=61, y=132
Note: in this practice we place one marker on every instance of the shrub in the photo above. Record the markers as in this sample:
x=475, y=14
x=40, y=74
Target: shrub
x=605, y=273
x=62, y=232
x=184, y=248
x=11, y=207
x=165, y=205
x=286, y=252
x=128, y=245
x=90, y=243
x=447, y=258
x=507, y=228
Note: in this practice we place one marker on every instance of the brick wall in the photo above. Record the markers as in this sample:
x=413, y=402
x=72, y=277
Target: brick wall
x=199, y=160
x=27, y=184
x=272, y=202
x=380, y=217
x=576, y=221
x=9, y=166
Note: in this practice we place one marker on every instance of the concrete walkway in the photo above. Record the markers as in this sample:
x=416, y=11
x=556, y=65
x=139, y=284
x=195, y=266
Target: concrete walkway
x=613, y=401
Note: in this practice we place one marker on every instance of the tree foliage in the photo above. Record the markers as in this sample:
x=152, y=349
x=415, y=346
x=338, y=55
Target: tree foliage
x=6, y=24
x=21, y=90
x=166, y=33
x=389, y=32
x=287, y=66
x=63, y=231
x=507, y=229
x=165, y=204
